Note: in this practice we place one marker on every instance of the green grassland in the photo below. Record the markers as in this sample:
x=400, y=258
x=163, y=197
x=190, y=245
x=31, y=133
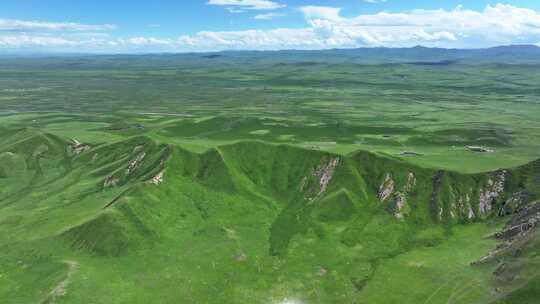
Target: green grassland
x=256, y=178
x=191, y=100
x=247, y=222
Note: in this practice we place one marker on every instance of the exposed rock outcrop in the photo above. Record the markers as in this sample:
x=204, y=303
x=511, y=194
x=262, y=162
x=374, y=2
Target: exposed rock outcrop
x=475, y=202
x=401, y=201
x=411, y=182
x=398, y=199
x=133, y=164
x=76, y=147
x=326, y=173
x=493, y=189
x=464, y=207
x=158, y=179
x=111, y=181
x=323, y=175
x=387, y=188
x=523, y=222
x=515, y=202
x=516, y=233
x=401, y=196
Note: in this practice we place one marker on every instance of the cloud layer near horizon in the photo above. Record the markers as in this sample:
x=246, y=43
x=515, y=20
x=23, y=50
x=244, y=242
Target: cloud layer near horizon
x=240, y=5
x=325, y=28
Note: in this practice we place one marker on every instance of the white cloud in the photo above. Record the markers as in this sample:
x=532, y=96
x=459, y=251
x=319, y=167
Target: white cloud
x=252, y=39
x=17, y=41
x=145, y=41
x=240, y=5
x=268, y=16
x=495, y=25
x=25, y=26
x=321, y=12
x=374, y=1
x=82, y=43
x=325, y=28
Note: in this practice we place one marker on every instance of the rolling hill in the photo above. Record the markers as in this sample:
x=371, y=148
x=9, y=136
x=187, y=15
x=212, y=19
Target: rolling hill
x=253, y=222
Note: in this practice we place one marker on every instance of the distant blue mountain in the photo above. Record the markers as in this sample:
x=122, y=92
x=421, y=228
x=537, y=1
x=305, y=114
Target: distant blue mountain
x=419, y=55
x=512, y=54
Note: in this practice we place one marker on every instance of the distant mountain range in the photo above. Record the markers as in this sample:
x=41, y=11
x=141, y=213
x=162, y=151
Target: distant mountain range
x=418, y=55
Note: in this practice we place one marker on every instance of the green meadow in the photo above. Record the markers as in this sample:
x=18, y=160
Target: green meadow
x=266, y=178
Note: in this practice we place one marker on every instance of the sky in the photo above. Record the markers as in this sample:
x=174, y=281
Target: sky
x=143, y=26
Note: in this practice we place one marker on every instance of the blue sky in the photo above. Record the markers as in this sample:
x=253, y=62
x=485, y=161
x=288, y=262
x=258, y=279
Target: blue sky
x=208, y=25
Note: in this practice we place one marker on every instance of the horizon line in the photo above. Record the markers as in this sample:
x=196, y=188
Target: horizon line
x=68, y=53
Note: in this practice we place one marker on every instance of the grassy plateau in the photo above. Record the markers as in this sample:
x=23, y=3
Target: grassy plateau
x=343, y=176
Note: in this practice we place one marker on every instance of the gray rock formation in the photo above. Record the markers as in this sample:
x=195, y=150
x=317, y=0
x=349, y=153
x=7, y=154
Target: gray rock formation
x=387, y=188
x=517, y=232
x=158, y=179
x=493, y=189
x=324, y=173
x=133, y=164
x=76, y=147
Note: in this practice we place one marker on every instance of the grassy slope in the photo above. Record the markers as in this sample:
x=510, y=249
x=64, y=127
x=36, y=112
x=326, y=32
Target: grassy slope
x=231, y=225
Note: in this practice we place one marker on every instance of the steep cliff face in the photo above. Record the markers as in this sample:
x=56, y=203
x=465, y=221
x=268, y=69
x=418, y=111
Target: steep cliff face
x=304, y=183
x=299, y=183
x=454, y=197
x=263, y=208
x=322, y=176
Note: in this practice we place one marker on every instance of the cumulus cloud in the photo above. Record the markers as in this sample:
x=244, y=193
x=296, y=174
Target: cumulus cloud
x=27, y=26
x=327, y=28
x=241, y=5
x=32, y=35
